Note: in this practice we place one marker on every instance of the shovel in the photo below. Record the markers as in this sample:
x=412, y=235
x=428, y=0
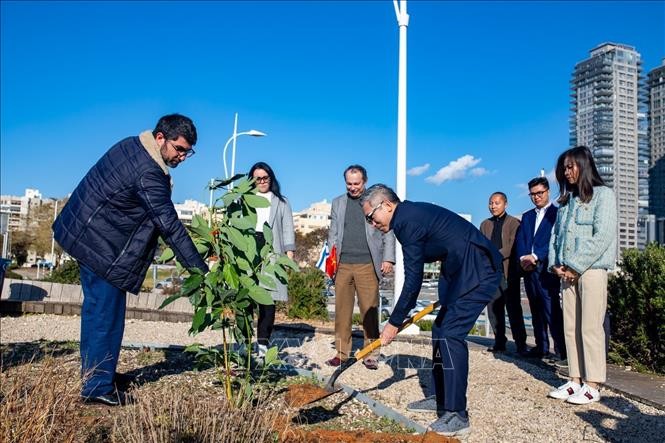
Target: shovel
x=330, y=386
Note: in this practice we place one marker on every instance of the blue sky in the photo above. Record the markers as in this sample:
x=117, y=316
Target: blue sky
x=488, y=86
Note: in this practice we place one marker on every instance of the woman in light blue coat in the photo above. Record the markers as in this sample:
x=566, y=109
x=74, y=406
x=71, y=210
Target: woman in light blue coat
x=582, y=249
x=280, y=219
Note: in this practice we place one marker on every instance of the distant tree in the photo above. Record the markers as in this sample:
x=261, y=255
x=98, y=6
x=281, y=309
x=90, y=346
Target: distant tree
x=40, y=224
x=308, y=246
x=20, y=244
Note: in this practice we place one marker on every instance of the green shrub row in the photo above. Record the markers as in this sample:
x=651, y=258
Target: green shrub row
x=636, y=301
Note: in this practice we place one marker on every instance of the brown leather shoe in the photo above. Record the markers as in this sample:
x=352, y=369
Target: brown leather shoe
x=371, y=363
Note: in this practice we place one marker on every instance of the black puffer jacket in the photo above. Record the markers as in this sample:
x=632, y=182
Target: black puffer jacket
x=115, y=215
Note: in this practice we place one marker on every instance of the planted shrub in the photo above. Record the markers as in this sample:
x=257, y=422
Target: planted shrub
x=306, y=299
x=425, y=325
x=68, y=273
x=636, y=300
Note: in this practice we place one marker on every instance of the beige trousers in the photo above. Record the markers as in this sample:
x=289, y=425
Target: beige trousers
x=352, y=279
x=584, y=305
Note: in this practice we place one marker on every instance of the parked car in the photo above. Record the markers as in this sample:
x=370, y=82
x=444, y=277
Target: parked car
x=42, y=264
x=168, y=282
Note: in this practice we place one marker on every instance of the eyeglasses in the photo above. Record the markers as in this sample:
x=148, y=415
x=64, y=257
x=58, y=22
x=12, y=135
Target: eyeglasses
x=264, y=179
x=187, y=152
x=370, y=217
x=538, y=194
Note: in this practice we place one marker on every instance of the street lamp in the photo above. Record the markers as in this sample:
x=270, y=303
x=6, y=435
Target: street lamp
x=236, y=134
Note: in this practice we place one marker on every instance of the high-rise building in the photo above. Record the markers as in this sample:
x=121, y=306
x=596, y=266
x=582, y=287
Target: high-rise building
x=656, y=117
x=605, y=105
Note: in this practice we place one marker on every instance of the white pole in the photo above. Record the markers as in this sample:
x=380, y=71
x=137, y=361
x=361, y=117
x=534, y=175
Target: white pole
x=55, y=214
x=212, y=182
x=233, y=153
x=403, y=22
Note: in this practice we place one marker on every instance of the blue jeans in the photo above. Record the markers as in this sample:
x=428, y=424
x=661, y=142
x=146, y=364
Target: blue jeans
x=102, y=327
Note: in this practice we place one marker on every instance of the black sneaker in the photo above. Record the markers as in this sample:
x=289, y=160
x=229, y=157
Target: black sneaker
x=117, y=398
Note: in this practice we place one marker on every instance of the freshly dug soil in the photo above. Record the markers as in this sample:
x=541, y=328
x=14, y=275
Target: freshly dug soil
x=328, y=436
x=301, y=395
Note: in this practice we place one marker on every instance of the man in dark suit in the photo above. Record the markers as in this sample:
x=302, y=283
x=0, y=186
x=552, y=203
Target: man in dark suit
x=470, y=275
x=542, y=287
x=500, y=229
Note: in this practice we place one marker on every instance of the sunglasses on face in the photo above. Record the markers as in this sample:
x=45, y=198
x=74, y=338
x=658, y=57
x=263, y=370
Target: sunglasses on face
x=264, y=179
x=370, y=217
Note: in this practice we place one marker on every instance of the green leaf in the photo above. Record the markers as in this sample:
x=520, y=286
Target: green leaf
x=272, y=357
x=256, y=201
x=244, y=185
x=281, y=273
x=267, y=233
x=287, y=262
x=244, y=265
x=170, y=300
x=267, y=281
x=167, y=255
x=260, y=295
x=198, y=320
x=191, y=284
x=225, y=182
x=242, y=223
x=210, y=297
x=236, y=237
x=230, y=198
x=202, y=247
x=231, y=276
x=201, y=228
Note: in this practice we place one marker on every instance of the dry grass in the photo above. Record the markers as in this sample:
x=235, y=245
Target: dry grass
x=39, y=403
x=173, y=415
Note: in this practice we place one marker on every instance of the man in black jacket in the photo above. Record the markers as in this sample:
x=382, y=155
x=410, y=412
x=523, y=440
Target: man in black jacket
x=110, y=225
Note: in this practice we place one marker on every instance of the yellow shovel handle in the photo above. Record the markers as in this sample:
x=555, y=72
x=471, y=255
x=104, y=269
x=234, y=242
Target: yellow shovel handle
x=408, y=322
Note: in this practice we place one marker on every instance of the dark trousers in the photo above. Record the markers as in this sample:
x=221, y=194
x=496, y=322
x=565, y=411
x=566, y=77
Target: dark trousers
x=265, y=324
x=510, y=300
x=542, y=290
x=450, y=354
x=102, y=327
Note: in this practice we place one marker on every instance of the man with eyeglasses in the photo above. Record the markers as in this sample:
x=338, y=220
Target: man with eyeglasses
x=532, y=243
x=111, y=225
x=364, y=255
x=471, y=272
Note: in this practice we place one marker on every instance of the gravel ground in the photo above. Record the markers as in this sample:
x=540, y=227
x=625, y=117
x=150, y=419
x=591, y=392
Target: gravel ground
x=507, y=398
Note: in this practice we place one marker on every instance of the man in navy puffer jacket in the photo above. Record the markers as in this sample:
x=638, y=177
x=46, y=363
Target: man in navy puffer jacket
x=110, y=225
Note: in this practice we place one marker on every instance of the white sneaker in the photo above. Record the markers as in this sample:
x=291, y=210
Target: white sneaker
x=564, y=392
x=584, y=396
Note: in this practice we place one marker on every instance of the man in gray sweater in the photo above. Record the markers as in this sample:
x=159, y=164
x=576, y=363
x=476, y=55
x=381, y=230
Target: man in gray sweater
x=364, y=255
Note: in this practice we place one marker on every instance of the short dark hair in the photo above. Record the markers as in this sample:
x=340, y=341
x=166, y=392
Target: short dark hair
x=376, y=192
x=176, y=125
x=539, y=181
x=356, y=168
x=587, y=179
x=505, y=199
x=274, y=184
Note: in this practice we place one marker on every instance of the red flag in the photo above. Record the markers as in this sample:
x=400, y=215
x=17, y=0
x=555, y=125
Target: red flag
x=331, y=263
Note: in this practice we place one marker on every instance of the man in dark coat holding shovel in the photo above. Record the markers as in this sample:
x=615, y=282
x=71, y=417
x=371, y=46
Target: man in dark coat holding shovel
x=470, y=276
